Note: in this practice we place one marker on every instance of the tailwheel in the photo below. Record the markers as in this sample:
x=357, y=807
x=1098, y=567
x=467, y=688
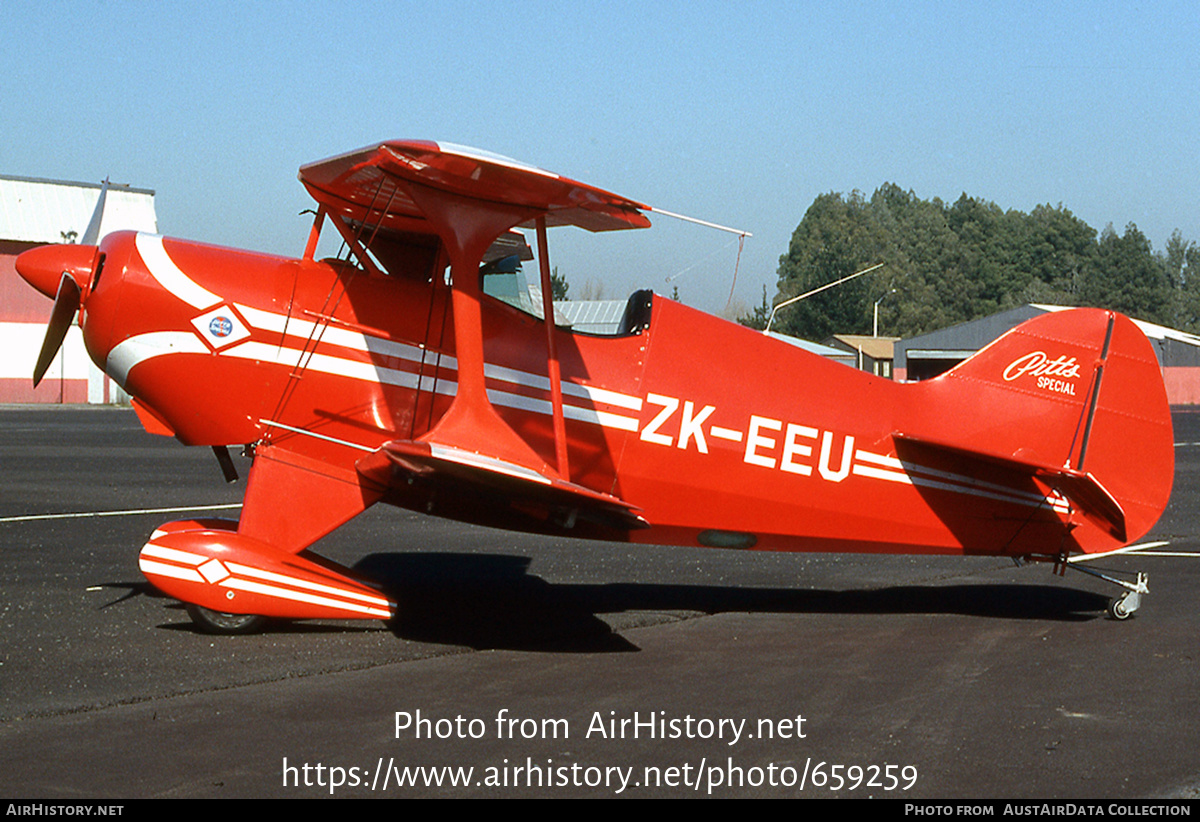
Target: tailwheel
x=216, y=622
x=1122, y=607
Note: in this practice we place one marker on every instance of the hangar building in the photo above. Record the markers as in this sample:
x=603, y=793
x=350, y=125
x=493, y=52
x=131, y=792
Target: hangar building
x=874, y=354
x=35, y=212
x=927, y=355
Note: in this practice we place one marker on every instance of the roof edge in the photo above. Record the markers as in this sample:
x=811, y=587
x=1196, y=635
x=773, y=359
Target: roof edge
x=76, y=184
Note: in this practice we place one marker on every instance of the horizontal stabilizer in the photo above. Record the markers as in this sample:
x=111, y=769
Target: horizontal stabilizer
x=1080, y=487
x=520, y=483
x=1093, y=499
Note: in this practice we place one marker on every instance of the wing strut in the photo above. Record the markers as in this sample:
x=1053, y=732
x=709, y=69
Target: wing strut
x=355, y=245
x=552, y=368
x=467, y=227
x=314, y=234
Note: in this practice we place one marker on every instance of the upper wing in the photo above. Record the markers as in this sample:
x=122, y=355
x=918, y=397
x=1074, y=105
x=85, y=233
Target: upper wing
x=360, y=185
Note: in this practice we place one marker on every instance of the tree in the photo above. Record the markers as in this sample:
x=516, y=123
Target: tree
x=1128, y=278
x=1058, y=249
x=558, y=285
x=836, y=238
x=757, y=319
x=950, y=264
x=1181, y=265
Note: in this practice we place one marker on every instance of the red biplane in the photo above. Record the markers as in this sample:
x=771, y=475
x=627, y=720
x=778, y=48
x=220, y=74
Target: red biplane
x=392, y=377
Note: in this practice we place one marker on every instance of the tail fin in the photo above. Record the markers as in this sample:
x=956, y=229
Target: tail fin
x=1076, y=399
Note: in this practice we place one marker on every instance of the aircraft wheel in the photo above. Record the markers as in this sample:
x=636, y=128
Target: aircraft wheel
x=216, y=622
x=1117, y=610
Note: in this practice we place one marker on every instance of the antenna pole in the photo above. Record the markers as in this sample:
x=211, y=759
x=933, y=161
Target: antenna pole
x=818, y=290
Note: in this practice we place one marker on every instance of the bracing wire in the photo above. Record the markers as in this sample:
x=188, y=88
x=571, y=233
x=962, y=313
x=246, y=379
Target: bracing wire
x=686, y=269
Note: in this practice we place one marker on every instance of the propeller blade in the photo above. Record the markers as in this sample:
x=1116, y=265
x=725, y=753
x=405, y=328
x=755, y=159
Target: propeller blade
x=91, y=234
x=66, y=303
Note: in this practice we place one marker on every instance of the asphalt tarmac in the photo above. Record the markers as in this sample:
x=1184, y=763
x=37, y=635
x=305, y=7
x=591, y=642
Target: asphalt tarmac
x=527, y=666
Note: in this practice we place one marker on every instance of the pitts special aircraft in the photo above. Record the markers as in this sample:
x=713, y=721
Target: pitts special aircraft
x=385, y=379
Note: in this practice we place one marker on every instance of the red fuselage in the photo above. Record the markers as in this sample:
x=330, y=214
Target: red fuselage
x=720, y=435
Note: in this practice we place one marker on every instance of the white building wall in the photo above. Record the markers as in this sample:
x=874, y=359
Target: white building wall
x=35, y=212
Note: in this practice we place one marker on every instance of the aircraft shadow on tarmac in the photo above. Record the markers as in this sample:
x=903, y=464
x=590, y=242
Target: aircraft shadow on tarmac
x=491, y=602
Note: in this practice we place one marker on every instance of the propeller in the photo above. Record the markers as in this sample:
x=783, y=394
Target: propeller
x=66, y=303
x=73, y=267
x=91, y=234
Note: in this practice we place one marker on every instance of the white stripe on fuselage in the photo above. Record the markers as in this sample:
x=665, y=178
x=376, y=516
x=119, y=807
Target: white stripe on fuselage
x=128, y=353
x=330, y=335
x=304, y=329
x=162, y=268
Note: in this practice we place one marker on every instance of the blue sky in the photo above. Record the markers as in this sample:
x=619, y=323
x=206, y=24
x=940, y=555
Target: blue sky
x=739, y=113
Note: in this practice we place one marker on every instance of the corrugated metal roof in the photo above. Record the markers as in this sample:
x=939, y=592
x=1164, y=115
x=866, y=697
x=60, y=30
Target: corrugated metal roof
x=588, y=316
x=591, y=316
x=961, y=340
x=46, y=211
x=829, y=353
x=1154, y=332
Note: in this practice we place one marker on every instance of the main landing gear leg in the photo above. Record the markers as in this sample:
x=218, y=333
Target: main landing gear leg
x=231, y=576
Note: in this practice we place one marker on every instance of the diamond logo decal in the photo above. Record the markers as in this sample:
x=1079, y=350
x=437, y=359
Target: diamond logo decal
x=220, y=327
